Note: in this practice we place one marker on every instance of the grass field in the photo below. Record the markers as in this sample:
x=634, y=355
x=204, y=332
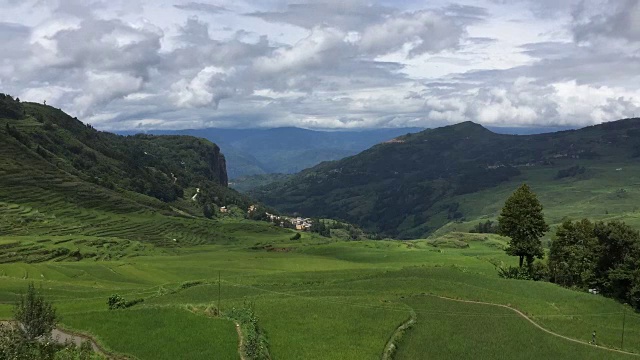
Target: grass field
x=337, y=300
x=608, y=191
x=444, y=328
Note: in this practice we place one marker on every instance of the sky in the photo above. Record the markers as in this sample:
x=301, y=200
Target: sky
x=332, y=64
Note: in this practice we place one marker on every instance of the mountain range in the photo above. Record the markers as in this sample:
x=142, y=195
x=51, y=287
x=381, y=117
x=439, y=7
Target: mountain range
x=289, y=150
x=417, y=183
x=284, y=150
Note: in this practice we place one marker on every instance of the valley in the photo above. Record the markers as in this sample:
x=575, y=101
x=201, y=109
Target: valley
x=229, y=287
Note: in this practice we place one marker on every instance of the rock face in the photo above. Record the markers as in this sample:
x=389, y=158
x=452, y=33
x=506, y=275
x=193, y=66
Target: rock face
x=218, y=166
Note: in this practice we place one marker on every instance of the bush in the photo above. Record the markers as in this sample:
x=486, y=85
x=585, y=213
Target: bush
x=297, y=236
x=537, y=271
x=514, y=272
x=256, y=344
x=116, y=302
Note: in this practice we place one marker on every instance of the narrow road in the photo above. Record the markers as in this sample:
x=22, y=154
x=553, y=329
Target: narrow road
x=536, y=324
x=62, y=336
x=240, y=342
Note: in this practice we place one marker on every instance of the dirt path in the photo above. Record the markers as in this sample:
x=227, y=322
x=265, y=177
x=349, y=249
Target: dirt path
x=536, y=324
x=240, y=342
x=62, y=336
x=390, y=347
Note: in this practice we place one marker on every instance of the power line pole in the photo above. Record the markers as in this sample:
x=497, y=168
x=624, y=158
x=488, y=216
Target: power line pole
x=219, y=293
x=624, y=316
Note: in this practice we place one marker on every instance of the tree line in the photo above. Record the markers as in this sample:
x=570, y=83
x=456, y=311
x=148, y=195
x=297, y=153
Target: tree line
x=601, y=256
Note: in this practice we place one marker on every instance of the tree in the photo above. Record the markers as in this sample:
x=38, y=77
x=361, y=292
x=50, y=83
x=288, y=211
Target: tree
x=522, y=220
x=574, y=254
x=35, y=314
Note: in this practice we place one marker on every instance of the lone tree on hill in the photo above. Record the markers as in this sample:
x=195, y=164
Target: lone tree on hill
x=522, y=220
x=35, y=314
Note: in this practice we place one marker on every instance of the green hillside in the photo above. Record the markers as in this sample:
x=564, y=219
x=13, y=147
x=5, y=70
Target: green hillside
x=421, y=182
x=231, y=288
x=167, y=168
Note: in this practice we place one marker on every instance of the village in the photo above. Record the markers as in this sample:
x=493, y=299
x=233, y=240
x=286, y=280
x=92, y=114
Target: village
x=298, y=223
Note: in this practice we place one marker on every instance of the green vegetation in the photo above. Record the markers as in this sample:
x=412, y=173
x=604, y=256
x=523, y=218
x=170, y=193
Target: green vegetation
x=29, y=335
x=86, y=245
x=602, y=256
x=159, y=333
x=36, y=316
x=449, y=329
x=161, y=167
x=254, y=345
x=455, y=175
x=522, y=221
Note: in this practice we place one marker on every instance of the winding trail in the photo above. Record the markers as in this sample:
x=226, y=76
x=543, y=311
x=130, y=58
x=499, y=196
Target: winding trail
x=536, y=324
x=390, y=347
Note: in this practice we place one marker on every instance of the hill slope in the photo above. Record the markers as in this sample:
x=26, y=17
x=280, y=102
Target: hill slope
x=285, y=150
x=163, y=167
x=416, y=183
x=59, y=177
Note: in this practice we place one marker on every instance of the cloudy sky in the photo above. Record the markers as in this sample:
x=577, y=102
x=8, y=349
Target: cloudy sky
x=127, y=64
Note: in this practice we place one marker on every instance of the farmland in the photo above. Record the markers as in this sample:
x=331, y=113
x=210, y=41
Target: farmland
x=321, y=299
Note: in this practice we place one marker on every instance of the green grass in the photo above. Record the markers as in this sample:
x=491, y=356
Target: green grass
x=448, y=329
x=159, y=333
x=597, y=197
x=336, y=300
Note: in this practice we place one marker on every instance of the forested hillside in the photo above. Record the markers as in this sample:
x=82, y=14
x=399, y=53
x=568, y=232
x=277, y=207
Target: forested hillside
x=413, y=185
x=167, y=168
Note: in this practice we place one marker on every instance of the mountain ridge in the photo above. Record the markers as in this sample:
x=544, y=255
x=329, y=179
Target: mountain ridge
x=406, y=187
x=285, y=149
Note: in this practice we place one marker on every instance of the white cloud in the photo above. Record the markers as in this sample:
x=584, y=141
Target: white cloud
x=208, y=87
x=419, y=32
x=326, y=63
x=104, y=87
x=323, y=47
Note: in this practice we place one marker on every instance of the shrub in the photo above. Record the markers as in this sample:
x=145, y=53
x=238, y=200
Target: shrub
x=188, y=284
x=514, y=272
x=116, y=302
x=256, y=344
x=297, y=236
